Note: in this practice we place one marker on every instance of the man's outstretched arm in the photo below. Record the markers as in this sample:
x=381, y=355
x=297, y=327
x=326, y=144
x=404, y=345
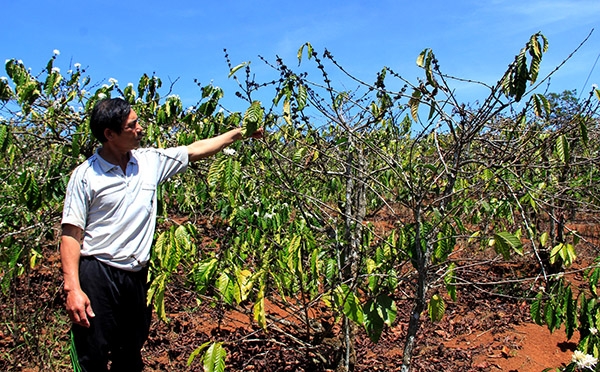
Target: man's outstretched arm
x=210, y=146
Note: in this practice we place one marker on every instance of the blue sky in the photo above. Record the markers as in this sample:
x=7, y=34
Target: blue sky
x=472, y=39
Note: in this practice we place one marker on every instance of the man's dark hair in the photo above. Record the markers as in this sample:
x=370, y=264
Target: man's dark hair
x=110, y=113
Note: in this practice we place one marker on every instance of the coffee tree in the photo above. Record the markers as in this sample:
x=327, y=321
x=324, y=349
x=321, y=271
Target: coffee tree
x=44, y=134
x=442, y=171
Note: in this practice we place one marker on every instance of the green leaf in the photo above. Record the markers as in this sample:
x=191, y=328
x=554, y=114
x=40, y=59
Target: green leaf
x=259, y=309
x=283, y=92
x=156, y=295
x=294, y=262
x=386, y=308
x=6, y=92
x=52, y=81
x=544, y=238
x=428, y=67
x=521, y=75
x=436, y=308
x=541, y=105
x=444, y=244
x=252, y=120
x=593, y=278
x=243, y=285
x=197, y=352
x=302, y=96
x=450, y=280
x=349, y=303
x=565, y=251
x=549, y=317
x=413, y=103
x=181, y=242
x=570, y=313
x=340, y=100
x=372, y=321
x=29, y=92
x=534, y=47
x=378, y=313
x=505, y=241
x=232, y=174
x=535, y=51
x=287, y=112
x=562, y=149
x=4, y=138
x=236, y=68
x=225, y=287
x=214, y=359
x=299, y=155
x=536, y=309
x=583, y=129
x=331, y=268
x=216, y=172
x=30, y=193
x=421, y=57
x=203, y=272
x=309, y=50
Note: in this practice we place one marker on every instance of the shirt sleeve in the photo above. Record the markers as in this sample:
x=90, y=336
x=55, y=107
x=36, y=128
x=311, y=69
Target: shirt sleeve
x=172, y=161
x=76, y=205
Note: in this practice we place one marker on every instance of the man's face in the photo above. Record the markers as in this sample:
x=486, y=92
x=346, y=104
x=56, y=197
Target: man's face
x=132, y=132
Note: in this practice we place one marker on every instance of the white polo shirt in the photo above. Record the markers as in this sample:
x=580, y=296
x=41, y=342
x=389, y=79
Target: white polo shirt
x=117, y=210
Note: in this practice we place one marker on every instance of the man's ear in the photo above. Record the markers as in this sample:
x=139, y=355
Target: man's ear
x=108, y=134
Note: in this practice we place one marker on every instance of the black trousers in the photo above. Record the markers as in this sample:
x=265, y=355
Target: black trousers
x=122, y=322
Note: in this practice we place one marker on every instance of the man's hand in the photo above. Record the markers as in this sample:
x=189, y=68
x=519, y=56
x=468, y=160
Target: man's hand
x=260, y=133
x=79, y=308
x=78, y=304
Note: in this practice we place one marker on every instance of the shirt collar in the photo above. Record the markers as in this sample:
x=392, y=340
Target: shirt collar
x=108, y=166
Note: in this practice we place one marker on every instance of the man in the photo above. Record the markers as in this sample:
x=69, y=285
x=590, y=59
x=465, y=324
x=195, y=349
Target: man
x=108, y=224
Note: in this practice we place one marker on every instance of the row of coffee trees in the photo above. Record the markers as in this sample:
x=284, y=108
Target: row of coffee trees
x=506, y=175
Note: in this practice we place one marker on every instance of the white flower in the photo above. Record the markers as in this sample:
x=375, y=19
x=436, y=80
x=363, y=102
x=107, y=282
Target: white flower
x=101, y=96
x=77, y=65
x=130, y=85
x=56, y=52
x=3, y=78
x=269, y=215
x=112, y=81
x=256, y=213
x=229, y=151
x=69, y=71
x=583, y=360
x=595, y=86
x=593, y=330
